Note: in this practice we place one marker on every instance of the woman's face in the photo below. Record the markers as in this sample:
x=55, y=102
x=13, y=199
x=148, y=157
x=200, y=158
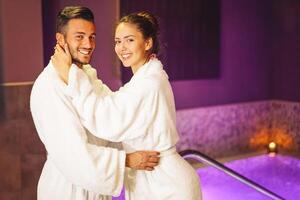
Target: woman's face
x=130, y=46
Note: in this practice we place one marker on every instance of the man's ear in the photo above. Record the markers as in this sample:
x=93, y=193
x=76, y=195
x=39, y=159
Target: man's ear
x=60, y=39
x=149, y=44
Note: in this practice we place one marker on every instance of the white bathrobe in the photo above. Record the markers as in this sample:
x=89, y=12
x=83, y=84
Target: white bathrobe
x=141, y=115
x=78, y=166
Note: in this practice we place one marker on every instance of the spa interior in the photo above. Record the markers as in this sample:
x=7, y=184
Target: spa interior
x=234, y=67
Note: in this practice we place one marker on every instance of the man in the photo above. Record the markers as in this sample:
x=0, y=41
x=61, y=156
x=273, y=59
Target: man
x=79, y=166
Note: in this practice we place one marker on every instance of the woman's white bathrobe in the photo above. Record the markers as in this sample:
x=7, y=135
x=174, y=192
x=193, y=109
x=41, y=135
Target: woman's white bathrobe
x=78, y=166
x=141, y=115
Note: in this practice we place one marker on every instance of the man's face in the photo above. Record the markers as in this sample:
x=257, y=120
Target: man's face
x=80, y=36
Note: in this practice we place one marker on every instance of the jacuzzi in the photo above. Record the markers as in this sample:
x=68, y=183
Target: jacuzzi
x=277, y=173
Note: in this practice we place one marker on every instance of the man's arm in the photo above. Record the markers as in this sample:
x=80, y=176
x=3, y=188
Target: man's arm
x=99, y=169
x=94, y=168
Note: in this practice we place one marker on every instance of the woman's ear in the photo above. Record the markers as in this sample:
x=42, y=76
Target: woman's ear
x=60, y=39
x=149, y=44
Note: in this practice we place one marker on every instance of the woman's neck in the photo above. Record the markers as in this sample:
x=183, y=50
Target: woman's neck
x=137, y=67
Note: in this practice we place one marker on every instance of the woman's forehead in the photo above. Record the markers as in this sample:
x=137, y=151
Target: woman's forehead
x=125, y=29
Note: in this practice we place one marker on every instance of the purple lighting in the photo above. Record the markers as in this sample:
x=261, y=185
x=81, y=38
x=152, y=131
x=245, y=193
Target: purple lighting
x=280, y=174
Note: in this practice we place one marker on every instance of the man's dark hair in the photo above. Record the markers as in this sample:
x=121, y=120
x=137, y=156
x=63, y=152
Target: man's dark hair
x=72, y=12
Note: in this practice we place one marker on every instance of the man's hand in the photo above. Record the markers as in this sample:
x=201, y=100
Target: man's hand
x=142, y=160
x=62, y=61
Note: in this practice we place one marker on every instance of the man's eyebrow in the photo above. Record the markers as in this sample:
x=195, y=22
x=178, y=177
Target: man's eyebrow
x=83, y=33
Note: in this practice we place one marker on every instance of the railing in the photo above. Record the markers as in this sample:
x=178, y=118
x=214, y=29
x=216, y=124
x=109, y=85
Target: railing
x=211, y=162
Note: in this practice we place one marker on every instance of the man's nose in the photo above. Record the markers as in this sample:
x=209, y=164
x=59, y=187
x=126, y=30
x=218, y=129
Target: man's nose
x=88, y=43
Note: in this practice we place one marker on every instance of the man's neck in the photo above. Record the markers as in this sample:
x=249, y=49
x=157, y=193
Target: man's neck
x=78, y=64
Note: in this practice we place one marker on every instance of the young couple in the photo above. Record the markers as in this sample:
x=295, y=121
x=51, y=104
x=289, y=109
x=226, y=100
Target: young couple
x=72, y=109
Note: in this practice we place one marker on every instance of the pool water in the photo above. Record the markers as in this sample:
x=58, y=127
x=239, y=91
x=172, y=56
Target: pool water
x=280, y=174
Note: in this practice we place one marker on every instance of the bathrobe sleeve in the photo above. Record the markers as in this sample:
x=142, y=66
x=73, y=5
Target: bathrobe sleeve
x=98, y=169
x=100, y=89
x=98, y=86
x=122, y=115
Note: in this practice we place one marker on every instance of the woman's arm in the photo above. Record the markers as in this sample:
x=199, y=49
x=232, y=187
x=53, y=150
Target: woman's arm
x=122, y=115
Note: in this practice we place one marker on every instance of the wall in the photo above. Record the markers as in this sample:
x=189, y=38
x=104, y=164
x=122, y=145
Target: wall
x=286, y=50
x=259, y=56
x=237, y=129
x=245, y=58
x=259, y=51
x=21, y=40
x=21, y=153
x=1, y=67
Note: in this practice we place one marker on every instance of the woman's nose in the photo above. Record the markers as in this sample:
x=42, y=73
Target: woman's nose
x=123, y=46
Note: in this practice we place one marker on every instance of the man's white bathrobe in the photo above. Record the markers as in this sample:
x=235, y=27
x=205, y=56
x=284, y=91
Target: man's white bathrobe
x=141, y=115
x=78, y=166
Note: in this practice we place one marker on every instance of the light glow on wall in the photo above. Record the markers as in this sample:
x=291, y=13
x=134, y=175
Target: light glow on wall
x=272, y=137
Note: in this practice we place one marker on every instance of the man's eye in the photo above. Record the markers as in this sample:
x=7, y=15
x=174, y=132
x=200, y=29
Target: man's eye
x=79, y=37
x=93, y=37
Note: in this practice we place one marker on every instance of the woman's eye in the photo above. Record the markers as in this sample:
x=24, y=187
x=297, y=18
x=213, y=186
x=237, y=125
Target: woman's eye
x=117, y=42
x=130, y=40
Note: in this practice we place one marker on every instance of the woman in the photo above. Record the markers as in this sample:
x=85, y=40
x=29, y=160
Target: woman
x=141, y=114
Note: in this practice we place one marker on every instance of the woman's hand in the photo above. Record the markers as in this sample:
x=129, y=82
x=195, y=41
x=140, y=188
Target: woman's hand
x=62, y=61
